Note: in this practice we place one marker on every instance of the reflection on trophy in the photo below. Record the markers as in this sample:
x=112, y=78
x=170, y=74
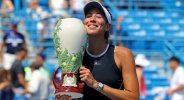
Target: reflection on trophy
x=69, y=42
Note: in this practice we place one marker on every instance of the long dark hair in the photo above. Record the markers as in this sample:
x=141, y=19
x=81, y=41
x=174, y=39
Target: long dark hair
x=106, y=35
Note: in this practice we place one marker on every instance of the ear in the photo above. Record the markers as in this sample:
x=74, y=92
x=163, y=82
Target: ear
x=108, y=27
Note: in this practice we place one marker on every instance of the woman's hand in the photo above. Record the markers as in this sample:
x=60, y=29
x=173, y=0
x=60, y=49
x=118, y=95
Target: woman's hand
x=87, y=77
x=63, y=97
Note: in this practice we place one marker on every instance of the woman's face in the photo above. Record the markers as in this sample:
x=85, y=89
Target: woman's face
x=95, y=23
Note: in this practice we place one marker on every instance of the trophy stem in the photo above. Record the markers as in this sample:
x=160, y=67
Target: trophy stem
x=69, y=79
x=68, y=86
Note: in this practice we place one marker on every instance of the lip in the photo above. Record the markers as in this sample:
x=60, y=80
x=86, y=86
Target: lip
x=92, y=26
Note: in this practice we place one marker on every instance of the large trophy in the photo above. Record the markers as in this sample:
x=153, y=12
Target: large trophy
x=69, y=41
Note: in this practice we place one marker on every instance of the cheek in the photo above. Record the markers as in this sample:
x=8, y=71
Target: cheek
x=85, y=24
x=102, y=24
x=86, y=21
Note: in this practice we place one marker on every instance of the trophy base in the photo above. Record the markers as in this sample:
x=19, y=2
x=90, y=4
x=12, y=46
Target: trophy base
x=68, y=85
x=74, y=95
x=74, y=92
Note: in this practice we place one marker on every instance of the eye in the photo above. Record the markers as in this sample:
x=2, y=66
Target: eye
x=98, y=15
x=88, y=15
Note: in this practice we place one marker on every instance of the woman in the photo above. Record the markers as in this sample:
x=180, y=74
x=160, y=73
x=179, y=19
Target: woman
x=108, y=71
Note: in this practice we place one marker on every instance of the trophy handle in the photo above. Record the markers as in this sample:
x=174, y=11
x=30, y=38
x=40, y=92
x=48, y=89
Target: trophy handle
x=56, y=84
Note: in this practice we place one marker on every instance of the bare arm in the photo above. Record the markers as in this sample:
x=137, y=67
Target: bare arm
x=180, y=83
x=65, y=4
x=4, y=85
x=72, y=4
x=118, y=22
x=25, y=45
x=21, y=80
x=50, y=4
x=139, y=76
x=1, y=51
x=131, y=88
x=119, y=19
x=178, y=88
x=131, y=91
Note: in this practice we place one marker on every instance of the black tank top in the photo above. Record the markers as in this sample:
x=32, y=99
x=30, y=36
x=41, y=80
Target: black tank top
x=104, y=70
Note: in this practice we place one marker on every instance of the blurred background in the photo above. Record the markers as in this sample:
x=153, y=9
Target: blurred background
x=152, y=29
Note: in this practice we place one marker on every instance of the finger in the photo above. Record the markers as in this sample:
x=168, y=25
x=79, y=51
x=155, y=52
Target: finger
x=84, y=78
x=83, y=72
x=67, y=97
x=83, y=75
x=62, y=97
x=58, y=97
x=81, y=68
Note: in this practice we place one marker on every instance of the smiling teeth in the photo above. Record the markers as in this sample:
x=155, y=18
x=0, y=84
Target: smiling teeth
x=92, y=26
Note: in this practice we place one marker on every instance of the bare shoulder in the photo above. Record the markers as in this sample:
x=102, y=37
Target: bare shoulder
x=122, y=55
x=122, y=51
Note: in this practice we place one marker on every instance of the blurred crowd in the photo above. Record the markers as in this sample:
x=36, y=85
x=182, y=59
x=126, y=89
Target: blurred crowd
x=16, y=80
x=33, y=81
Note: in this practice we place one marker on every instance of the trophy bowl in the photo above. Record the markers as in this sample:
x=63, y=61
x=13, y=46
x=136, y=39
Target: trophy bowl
x=69, y=42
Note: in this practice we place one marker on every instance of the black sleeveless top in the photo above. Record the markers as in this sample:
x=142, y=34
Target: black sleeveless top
x=104, y=70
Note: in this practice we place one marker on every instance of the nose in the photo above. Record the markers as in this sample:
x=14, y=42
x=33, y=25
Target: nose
x=92, y=19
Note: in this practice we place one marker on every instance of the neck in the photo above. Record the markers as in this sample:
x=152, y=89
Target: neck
x=97, y=45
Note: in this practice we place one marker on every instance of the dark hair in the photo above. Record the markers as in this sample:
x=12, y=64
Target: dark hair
x=35, y=65
x=42, y=56
x=20, y=49
x=14, y=25
x=174, y=59
x=106, y=35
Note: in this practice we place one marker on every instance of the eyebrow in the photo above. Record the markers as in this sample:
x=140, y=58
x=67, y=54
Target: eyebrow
x=95, y=13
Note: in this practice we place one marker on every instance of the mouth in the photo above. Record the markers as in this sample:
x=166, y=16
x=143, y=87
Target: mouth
x=92, y=26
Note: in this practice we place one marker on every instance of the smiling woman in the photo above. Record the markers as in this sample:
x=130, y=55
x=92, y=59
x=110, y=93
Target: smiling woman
x=96, y=23
x=114, y=76
x=108, y=71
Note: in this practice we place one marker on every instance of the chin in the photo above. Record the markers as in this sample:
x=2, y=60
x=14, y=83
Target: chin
x=92, y=32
